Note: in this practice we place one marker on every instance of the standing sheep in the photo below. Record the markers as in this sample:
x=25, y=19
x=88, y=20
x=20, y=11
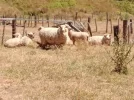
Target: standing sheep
x=14, y=42
x=105, y=39
x=78, y=35
x=53, y=36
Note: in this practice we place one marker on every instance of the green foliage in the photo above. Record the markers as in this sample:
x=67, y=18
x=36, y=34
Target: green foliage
x=126, y=6
x=61, y=3
x=36, y=6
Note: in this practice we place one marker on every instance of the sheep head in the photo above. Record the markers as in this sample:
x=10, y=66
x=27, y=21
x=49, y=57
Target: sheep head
x=30, y=35
x=107, y=39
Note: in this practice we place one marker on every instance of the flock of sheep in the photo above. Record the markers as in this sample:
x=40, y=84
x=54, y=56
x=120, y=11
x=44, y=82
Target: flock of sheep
x=63, y=35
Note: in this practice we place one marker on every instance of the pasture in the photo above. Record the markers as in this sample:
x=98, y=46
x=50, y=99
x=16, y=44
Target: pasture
x=70, y=73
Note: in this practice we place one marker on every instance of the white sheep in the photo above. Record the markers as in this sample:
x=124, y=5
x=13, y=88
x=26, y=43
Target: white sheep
x=53, y=36
x=105, y=39
x=27, y=40
x=14, y=42
x=78, y=35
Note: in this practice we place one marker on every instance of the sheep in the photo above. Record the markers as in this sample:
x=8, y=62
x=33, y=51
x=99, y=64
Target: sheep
x=14, y=42
x=27, y=40
x=78, y=35
x=53, y=36
x=105, y=39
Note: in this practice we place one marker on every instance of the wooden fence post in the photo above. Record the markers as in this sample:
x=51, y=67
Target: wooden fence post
x=107, y=18
x=116, y=32
x=13, y=27
x=3, y=34
x=35, y=20
x=31, y=21
x=124, y=31
x=76, y=15
x=131, y=26
x=128, y=34
x=28, y=20
x=20, y=20
x=89, y=28
x=24, y=26
x=38, y=19
x=3, y=22
x=111, y=24
x=96, y=25
x=47, y=20
x=42, y=20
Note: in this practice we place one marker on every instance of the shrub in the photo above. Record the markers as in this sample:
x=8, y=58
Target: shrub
x=121, y=56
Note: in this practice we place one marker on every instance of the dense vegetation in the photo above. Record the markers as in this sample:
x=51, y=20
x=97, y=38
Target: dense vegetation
x=44, y=6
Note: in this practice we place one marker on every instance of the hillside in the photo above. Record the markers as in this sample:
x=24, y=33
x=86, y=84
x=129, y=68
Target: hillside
x=44, y=6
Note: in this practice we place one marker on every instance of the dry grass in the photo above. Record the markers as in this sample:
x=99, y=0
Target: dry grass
x=71, y=73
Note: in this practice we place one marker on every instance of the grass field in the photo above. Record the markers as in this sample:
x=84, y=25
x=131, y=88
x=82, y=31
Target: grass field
x=70, y=73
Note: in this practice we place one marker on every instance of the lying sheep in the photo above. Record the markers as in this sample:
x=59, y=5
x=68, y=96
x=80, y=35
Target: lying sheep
x=27, y=40
x=105, y=39
x=53, y=36
x=78, y=35
x=14, y=42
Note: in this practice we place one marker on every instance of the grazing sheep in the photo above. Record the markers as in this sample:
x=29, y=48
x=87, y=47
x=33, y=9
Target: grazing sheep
x=53, y=36
x=105, y=39
x=27, y=40
x=78, y=35
x=14, y=42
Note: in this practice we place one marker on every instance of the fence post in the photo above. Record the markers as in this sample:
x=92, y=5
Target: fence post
x=96, y=25
x=31, y=21
x=3, y=34
x=89, y=28
x=76, y=15
x=107, y=22
x=116, y=32
x=47, y=20
x=42, y=20
x=13, y=27
x=128, y=34
x=111, y=25
x=38, y=19
x=28, y=20
x=20, y=20
x=124, y=31
x=24, y=26
x=35, y=20
x=3, y=22
x=131, y=26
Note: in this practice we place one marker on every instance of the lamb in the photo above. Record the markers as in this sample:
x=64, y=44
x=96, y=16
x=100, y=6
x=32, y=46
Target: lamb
x=53, y=36
x=78, y=35
x=27, y=40
x=14, y=42
x=105, y=39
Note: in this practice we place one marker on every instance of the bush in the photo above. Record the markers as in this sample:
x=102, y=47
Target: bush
x=121, y=56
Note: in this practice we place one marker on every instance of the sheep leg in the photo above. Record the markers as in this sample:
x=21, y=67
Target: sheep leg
x=73, y=40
